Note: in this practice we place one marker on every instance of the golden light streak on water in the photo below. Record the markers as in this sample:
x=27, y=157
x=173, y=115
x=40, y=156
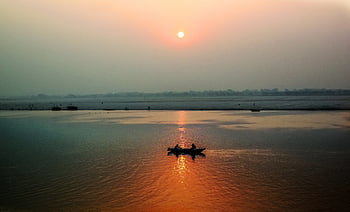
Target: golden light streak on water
x=180, y=168
x=181, y=122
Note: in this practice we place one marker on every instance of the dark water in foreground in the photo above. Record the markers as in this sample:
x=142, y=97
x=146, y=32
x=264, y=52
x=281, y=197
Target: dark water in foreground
x=117, y=161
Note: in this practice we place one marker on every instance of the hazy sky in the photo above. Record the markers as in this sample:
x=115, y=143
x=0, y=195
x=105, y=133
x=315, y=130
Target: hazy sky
x=100, y=46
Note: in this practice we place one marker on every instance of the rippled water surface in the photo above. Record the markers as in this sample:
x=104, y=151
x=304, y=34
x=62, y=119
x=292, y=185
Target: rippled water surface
x=117, y=161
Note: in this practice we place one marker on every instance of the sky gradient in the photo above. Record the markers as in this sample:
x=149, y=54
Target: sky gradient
x=101, y=46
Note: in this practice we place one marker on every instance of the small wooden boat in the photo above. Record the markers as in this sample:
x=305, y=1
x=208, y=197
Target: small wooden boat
x=56, y=108
x=193, y=152
x=72, y=108
x=186, y=150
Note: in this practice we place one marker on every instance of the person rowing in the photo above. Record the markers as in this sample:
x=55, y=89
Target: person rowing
x=177, y=147
x=193, y=146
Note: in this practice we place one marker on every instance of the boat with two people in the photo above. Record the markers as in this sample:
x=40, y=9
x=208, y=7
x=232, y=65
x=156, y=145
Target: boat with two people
x=193, y=151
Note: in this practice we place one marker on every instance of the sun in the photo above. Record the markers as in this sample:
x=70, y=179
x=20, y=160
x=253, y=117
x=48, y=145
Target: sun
x=180, y=34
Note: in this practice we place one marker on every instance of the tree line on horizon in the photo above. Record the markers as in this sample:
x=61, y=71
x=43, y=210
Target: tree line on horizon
x=216, y=93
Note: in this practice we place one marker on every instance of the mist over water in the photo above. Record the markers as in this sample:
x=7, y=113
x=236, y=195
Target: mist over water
x=117, y=160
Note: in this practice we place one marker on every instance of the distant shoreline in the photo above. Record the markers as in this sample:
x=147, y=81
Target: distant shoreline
x=203, y=93
x=260, y=110
x=256, y=103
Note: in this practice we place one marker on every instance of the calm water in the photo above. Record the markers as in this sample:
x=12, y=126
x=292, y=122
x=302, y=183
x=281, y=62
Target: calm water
x=117, y=161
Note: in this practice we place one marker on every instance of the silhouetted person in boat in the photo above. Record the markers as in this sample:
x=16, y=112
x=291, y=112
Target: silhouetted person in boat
x=193, y=146
x=177, y=146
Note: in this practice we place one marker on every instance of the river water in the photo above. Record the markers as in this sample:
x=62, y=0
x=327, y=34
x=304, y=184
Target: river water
x=117, y=161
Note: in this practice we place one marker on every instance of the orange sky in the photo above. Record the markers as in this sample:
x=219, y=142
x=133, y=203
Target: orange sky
x=94, y=46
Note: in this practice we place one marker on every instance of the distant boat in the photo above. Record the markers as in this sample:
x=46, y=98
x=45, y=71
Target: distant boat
x=56, y=108
x=72, y=108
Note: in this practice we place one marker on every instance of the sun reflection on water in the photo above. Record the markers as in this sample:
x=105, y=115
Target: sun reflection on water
x=180, y=168
x=182, y=130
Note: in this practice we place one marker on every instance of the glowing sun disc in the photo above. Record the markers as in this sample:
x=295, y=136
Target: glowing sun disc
x=180, y=34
